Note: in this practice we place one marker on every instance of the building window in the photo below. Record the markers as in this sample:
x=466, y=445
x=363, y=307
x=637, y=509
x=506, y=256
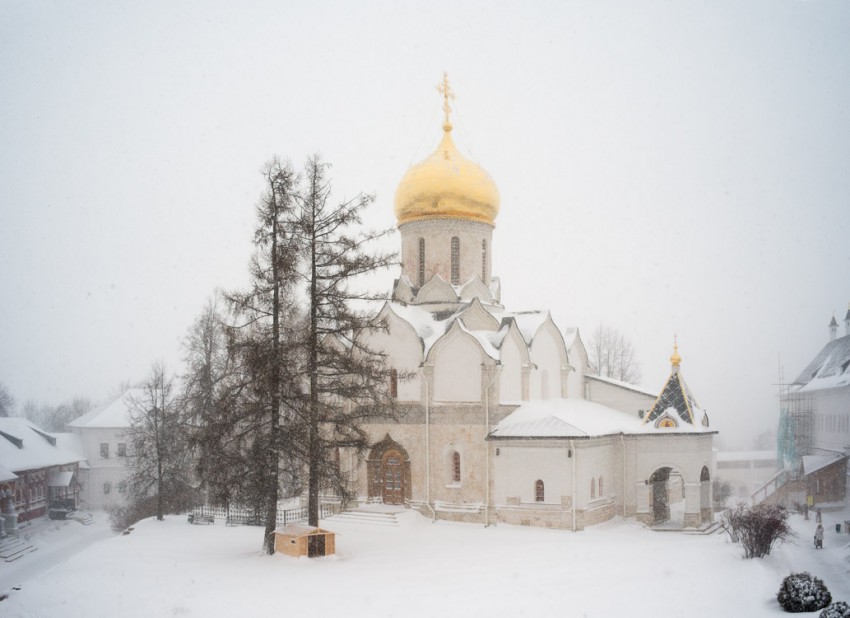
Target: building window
x=455, y=260
x=456, y=467
x=421, y=262
x=107, y=487
x=104, y=450
x=122, y=449
x=394, y=383
x=592, y=489
x=600, y=487
x=122, y=487
x=484, y=261
x=539, y=491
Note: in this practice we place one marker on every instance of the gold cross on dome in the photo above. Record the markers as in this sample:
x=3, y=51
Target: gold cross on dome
x=446, y=90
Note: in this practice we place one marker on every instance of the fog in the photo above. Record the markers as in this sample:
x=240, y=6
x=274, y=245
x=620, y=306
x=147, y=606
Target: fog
x=664, y=168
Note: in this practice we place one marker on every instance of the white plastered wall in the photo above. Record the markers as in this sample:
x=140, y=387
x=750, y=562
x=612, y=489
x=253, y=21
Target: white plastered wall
x=545, y=379
x=457, y=362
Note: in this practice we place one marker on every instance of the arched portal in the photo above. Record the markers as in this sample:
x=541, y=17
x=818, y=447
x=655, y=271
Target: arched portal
x=388, y=469
x=668, y=497
x=705, y=495
x=660, y=505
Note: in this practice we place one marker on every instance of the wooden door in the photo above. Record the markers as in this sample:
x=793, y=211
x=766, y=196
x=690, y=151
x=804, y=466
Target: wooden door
x=392, y=477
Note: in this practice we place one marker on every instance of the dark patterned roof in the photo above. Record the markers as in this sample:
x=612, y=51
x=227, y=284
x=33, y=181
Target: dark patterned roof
x=677, y=395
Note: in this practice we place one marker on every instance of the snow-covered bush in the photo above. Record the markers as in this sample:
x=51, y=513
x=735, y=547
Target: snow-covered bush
x=801, y=592
x=758, y=528
x=839, y=609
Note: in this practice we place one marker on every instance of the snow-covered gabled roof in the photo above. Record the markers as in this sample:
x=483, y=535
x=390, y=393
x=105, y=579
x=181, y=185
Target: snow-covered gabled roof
x=115, y=414
x=72, y=443
x=829, y=369
x=6, y=474
x=481, y=337
x=813, y=463
x=570, y=418
x=529, y=322
x=25, y=446
x=425, y=323
x=564, y=418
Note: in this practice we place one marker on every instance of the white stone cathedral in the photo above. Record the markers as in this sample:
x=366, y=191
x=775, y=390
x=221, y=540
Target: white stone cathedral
x=500, y=419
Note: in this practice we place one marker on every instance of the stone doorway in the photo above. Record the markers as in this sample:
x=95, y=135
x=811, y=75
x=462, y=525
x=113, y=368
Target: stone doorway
x=388, y=467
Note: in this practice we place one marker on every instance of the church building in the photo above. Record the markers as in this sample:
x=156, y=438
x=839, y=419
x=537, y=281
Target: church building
x=500, y=419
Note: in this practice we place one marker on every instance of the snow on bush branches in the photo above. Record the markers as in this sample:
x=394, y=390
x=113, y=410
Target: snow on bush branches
x=801, y=592
x=758, y=528
x=840, y=609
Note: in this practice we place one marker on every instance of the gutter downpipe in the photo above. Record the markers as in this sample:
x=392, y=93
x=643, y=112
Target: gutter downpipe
x=575, y=457
x=623, y=442
x=487, y=447
x=428, y=447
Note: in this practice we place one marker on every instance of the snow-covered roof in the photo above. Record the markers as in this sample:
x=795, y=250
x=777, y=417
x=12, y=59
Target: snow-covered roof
x=528, y=322
x=572, y=418
x=24, y=446
x=813, y=463
x=632, y=387
x=829, y=369
x=6, y=474
x=116, y=413
x=72, y=442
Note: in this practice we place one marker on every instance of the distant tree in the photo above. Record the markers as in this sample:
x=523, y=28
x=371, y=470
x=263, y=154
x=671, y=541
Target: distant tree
x=220, y=410
x=56, y=418
x=758, y=528
x=7, y=402
x=611, y=355
x=158, y=452
x=765, y=441
x=720, y=491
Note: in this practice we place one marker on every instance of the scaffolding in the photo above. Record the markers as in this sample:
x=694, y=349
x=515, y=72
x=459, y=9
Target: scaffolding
x=795, y=435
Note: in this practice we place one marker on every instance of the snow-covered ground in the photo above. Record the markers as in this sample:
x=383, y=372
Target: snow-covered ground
x=418, y=568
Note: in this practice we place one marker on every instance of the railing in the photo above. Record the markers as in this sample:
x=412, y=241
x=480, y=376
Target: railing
x=284, y=516
x=770, y=487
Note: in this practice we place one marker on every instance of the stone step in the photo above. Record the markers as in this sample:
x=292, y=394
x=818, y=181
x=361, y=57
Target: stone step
x=11, y=550
x=365, y=517
x=83, y=518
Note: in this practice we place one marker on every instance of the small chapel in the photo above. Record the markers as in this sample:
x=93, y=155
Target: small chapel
x=499, y=416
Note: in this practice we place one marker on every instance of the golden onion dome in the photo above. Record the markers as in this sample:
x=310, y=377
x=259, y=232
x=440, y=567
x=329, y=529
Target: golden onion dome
x=447, y=185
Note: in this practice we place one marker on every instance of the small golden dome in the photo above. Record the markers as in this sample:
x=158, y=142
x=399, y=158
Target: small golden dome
x=446, y=185
x=675, y=360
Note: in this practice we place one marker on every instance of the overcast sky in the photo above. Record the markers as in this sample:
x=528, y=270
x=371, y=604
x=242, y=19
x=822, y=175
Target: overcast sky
x=664, y=167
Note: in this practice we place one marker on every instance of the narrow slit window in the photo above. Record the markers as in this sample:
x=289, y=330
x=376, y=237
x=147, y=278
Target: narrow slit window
x=539, y=491
x=455, y=260
x=421, y=262
x=484, y=261
x=456, y=467
x=394, y=383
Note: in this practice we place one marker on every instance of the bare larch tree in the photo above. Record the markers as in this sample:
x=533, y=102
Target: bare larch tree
x=158, y=457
